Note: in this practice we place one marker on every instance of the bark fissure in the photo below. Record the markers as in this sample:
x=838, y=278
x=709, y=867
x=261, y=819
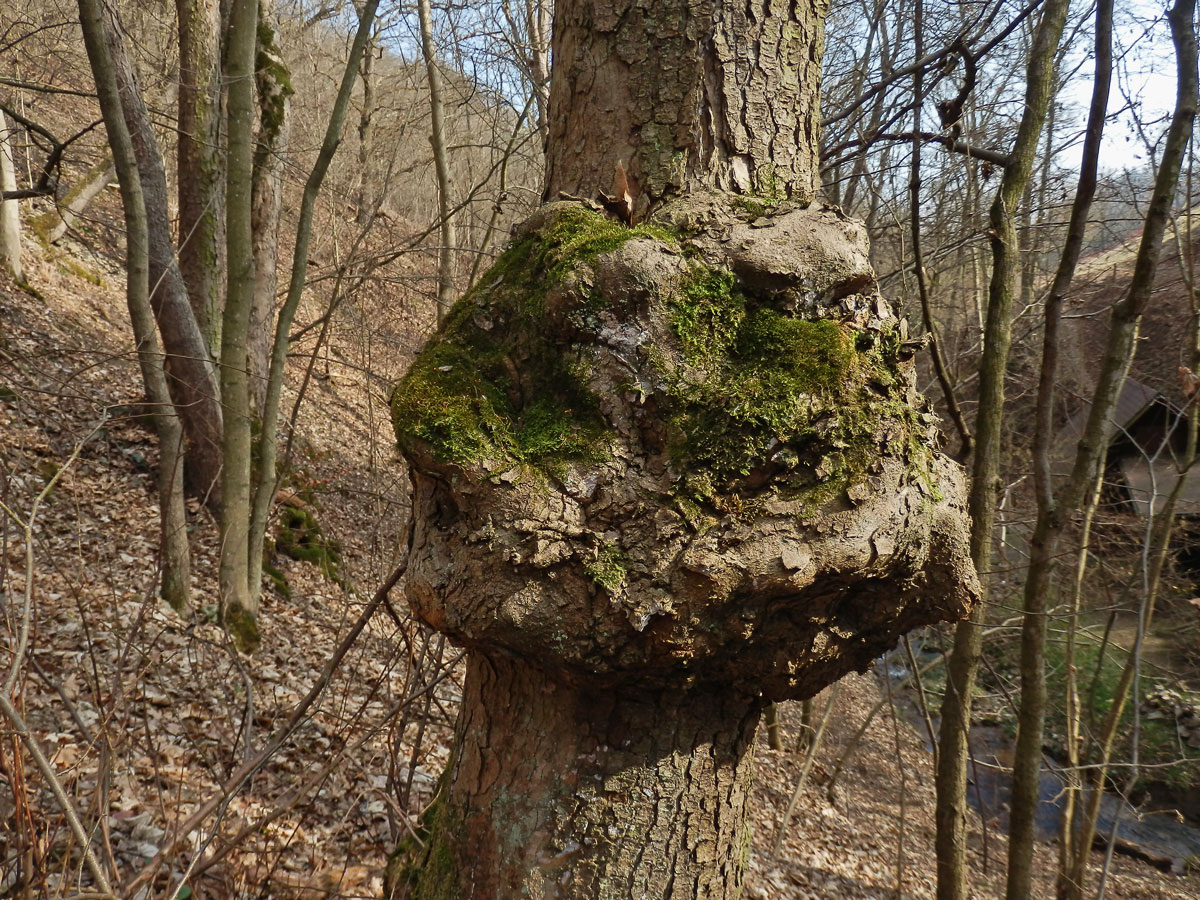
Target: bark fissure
x=695, y=97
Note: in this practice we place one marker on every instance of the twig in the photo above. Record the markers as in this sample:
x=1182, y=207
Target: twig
x=808, y=764
x=60, y=795
x=27, y=536
x=244, y=772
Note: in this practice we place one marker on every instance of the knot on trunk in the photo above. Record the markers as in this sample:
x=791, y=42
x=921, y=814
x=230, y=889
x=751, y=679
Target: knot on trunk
x=687, y=452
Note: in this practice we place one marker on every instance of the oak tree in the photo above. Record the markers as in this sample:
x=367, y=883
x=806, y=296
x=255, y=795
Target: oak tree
x=668, y=465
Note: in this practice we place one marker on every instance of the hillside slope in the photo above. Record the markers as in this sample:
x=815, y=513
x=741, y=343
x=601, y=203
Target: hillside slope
x=145, y=714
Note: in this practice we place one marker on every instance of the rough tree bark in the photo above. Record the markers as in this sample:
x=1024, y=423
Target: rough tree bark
x=690, y=96
x=662, y=474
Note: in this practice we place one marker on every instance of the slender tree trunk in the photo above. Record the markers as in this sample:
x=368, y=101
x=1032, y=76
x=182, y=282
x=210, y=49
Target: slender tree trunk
x=366, y=134
x=238, y=603
x=190, y=373
x=200, y=177
x=274, y=128
x=688, y=96
x=173, y=516
x=914, y=197
x=10, y=211
x=555, y=791
x=962, y=669
x=51, y=225
x=1053, y=510
x=264, y=488
x=441, y=158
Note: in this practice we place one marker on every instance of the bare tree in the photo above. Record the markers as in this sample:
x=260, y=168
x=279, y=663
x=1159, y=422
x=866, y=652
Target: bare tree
x=437, y=138
x=200, y=180
x=176, y=555
x=962, y=669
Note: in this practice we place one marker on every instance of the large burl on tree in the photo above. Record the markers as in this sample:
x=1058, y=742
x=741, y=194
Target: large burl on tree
x=662, y=475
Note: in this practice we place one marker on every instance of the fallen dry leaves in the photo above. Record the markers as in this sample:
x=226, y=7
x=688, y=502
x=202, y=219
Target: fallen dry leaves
x=144, y=714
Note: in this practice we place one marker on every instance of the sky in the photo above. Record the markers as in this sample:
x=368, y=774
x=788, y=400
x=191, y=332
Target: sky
x=1144, y=87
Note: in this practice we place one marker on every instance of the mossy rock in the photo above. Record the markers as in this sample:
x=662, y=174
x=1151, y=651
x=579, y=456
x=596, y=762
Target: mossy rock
x=671, y=448
x=299, y=537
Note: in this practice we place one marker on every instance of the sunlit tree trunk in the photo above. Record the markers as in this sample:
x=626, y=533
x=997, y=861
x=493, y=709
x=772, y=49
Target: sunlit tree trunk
x=274, y=127
x=688, y=96
x=441, y=160
x=259, y=508
x=238, y=603
x=10, y=213
x=1119, y=350
x=599, y=753
x=176, y=564
x=190, y=373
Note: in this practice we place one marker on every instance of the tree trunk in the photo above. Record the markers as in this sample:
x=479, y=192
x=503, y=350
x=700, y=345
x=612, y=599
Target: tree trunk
x=10, y=211
x=635, y=564
x=274, y=127
x=264, y=488
x=537, y=29
x=688, y=96
x=201, y=177
x=557, y=791
x=53, y=223
x=190, y=373
x=173, y=544
x=239, y=605
x=441, y=158
x=1119, y=351
x=363, y=209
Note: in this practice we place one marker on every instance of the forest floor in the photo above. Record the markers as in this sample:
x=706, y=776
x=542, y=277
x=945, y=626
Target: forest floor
x=145, y=713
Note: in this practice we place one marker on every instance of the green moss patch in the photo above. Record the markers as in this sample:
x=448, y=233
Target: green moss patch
x=300, y=537
x=754, y=397
x=766, y=391
x=487, y=386
x=608, y=568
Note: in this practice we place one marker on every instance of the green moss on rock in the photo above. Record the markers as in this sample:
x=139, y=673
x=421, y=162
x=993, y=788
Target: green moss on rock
x=300, y=537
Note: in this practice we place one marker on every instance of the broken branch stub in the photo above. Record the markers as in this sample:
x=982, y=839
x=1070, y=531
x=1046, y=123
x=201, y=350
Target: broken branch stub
x=689, y=453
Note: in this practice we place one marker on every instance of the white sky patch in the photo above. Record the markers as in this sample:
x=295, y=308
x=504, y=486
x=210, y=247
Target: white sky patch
x=1143, y=89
